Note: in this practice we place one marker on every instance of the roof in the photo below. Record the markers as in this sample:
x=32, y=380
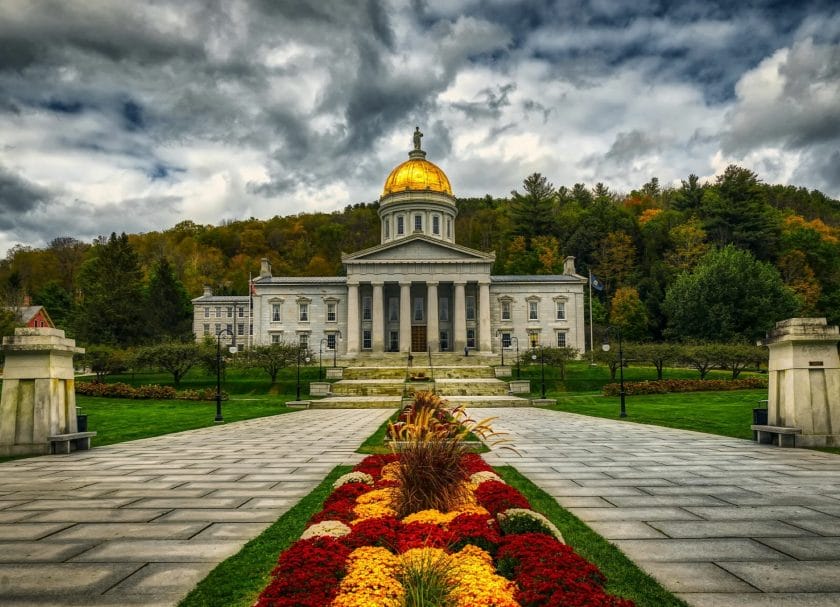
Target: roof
x=300, y=280
x=539, y=278
x=221, y=299
x=461, y=252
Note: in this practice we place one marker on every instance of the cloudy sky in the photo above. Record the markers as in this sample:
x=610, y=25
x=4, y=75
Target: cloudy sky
x=133, y=116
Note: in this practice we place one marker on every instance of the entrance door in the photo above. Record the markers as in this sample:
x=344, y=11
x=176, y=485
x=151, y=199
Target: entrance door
x=394, y=341
x=418, y=338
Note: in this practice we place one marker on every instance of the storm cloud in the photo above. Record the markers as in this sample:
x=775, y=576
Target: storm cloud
x=134, y=116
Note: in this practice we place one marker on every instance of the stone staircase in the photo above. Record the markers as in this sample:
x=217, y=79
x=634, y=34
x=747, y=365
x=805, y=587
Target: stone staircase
x=382, y=381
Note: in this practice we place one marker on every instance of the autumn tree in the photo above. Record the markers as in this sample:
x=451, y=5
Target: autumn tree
x=614, y=260
x=689, y=246
x=629, y=314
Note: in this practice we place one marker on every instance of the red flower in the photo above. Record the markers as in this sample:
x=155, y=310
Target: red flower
x=383, y=531
x=476, y=529
x=497, y=497
x=373, y=464
x=473, y=463
x=338, y=510
x=423, y=535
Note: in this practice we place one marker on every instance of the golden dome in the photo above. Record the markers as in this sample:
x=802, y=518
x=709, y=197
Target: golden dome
x=417, y=174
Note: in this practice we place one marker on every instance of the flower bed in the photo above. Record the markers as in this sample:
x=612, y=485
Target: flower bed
x=150, y=391
x=492, y=550
x=664, y=386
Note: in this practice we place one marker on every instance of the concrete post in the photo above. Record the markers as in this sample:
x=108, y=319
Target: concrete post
x=39, y=398
x=405, y=316
x=804, y=382
x=485, y=338
x=433, y=334
x=459, y=318
x=352, y=318
x=378, y=312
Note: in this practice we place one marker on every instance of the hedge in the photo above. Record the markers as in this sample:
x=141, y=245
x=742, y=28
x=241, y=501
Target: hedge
x=151, y=391
x=663, y=386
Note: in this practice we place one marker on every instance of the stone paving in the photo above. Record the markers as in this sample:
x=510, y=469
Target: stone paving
x=720, y=522
x=140, y=523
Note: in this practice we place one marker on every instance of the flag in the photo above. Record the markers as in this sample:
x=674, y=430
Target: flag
x=596, y=284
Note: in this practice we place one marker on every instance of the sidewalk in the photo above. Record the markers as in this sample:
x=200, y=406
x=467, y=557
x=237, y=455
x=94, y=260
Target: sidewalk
x=140, y=523
x=721, y=522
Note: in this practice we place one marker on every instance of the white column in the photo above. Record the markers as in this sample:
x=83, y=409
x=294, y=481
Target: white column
x=352, y=318
x=459, y=318
x=405, y=316
x=484, y=336
x=378, y=315
x=432, y=328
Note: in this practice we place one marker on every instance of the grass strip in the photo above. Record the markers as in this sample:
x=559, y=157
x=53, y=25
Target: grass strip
x=624, y=578
x=375, y=443
x=238, y=580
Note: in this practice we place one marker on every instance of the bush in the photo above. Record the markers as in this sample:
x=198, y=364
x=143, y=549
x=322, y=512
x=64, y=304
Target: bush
x=520, y=520
x=150, y=391
x=664, y=386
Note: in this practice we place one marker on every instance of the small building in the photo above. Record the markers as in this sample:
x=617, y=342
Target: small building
x=34, y=317
x=417, y=290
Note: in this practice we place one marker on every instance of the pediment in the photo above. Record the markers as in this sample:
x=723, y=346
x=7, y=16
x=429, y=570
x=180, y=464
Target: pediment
x=419, y=248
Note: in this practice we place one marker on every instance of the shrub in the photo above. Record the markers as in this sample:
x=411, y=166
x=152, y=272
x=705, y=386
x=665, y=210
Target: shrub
x=149, y=391
x=497, y=497
x=520, y=520
x=427, y=579
x=665, y=386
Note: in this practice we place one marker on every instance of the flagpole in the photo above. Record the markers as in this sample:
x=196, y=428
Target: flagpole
x=251, y=311
x=591, y=342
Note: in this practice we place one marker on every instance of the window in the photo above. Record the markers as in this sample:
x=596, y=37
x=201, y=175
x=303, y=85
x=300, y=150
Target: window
x=303, y=312
x=418, y=308
x=448, y=228
x=331, y=311
x=366, y=308
x=400, y=225
x=229, y=328
x=436, y=224
x=303, y=341
x=471, y=338
x=505, y=310
x=218, y=328
x=387, y=227
x=241, y=312
x=207, y=328
x=218, y=311
x=206, y=311
x=444, y=341
x=393, y=309
x=366, y=342
x=443, y=309
x=230, y=312
x=331, y=341
x=506, y=340
x=470, y=307
x=275, y=312
x=534, y=339
x=240, y=329
x=561, y=310
x=561, y=339
x=418, y=223
x=533, y=310
x=275, y=339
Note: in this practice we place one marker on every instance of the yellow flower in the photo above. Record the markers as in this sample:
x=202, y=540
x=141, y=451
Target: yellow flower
x=371, y=580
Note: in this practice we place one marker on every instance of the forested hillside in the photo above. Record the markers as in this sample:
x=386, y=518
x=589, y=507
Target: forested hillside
x=668, y=258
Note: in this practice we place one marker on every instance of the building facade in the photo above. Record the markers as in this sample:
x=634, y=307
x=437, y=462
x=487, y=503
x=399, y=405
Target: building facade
x=416, y=291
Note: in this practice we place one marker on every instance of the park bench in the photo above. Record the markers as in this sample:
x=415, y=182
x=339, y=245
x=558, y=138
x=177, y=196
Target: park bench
x=60, y=443
x=782, y=436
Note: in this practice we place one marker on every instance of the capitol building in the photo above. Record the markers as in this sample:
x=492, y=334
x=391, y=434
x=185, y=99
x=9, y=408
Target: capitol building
x=416, y=291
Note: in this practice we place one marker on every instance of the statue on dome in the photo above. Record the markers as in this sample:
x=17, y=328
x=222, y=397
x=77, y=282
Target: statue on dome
x=417, y=136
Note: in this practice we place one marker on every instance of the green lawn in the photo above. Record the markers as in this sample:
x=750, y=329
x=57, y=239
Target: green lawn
x=724, y=413
x=116, y=420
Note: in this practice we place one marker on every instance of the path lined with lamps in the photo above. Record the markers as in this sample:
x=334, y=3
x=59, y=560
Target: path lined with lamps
x=717, y=520
x=140, y=523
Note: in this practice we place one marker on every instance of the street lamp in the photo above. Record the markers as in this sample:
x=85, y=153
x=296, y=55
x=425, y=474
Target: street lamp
x=516, y=340
x=298, y=372
x=320, y=356
x=501, y=345
x=606, y=348
x=219, y=417
x=542, y=367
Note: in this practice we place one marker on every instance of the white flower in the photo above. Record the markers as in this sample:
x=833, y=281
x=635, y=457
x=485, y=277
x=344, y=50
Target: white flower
x=326, y=528
x=353, y=477
x=484, y=475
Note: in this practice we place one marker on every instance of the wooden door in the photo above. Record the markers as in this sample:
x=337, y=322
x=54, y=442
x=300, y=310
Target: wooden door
x=418, y=338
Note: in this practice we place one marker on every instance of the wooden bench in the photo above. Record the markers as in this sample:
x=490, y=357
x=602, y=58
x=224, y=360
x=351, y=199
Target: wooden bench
x=767, y=435
x=60, y=443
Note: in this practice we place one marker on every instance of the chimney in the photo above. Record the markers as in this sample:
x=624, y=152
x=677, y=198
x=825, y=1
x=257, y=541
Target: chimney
x=208, y=291
x=569, y=266
x=265, y=268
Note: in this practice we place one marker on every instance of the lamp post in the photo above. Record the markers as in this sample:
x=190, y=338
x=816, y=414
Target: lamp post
x=606, y=348
x=219, y=418
x=297, y=397
x=335, y=349
x=516, y=340
x=542, y=367
x=320, y=356
x=501, y=345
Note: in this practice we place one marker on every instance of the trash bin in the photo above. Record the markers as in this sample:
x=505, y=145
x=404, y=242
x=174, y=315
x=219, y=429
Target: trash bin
x=760, y=417
x=81, y=423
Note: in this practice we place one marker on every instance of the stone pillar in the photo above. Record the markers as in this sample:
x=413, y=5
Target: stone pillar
x=804, y=382
x=432, y=327
x=378, y=312
x=405, y=316
x=459, y=318
x=484, y=336
x=39, y=397
x=352, y=318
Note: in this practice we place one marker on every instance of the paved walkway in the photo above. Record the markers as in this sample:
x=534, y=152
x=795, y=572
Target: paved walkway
x=141, y=523
x=721, y=522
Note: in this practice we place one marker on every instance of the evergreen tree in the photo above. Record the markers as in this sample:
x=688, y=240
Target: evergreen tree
x=170, y=309
x=532, y=213
x=57, y=301
x=112, y=306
